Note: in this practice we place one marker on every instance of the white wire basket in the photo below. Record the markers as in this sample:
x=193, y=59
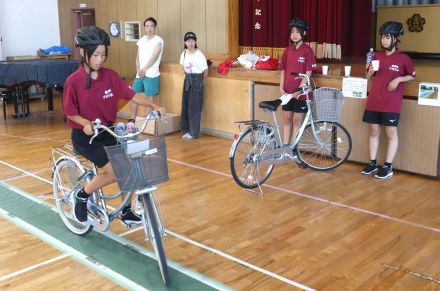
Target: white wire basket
x=327, y=104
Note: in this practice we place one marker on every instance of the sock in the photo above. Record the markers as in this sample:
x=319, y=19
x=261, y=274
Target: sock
x=388, y=165
x=83, y=194
x=126, y=208
x=373, y=162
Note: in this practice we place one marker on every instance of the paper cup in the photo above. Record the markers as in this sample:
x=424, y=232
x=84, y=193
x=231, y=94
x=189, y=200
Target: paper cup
x=375, y=64
x=325, y=70
x=347, y=71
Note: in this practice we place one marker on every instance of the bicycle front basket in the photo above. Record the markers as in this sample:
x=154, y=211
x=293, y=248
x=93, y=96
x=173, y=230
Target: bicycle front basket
x=327, y=104
x=139, y=164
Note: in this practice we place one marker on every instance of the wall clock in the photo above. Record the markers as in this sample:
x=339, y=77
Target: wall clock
x=114, y=28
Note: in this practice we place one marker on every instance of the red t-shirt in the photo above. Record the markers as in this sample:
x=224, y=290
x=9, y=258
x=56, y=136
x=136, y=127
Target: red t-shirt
x=296, y=60
x=99, y=101
x=395, y=65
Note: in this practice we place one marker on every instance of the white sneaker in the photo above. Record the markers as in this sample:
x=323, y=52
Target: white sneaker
x=185, y=135
x=188, y=136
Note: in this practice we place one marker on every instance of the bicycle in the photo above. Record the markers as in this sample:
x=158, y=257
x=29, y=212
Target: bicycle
x=321, y=142
x=139, y=165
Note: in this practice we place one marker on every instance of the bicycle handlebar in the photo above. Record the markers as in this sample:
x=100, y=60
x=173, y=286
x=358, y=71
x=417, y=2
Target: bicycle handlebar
x=153, y=115
x=305, y=88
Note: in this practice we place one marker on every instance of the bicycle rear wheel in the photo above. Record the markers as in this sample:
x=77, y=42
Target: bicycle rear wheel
x=65, y=177
x=327, y=150
x=246, y=166
x=155, y=237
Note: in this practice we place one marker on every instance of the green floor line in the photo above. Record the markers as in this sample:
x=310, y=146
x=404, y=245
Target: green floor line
x=97, y=248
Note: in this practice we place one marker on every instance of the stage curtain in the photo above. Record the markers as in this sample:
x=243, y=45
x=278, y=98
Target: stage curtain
x=338, y=27
x=264, y=26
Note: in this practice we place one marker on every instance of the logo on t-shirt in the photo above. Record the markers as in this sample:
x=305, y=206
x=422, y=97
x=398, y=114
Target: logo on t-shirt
x=107, y=94
x=301, y=60
x=394, y=68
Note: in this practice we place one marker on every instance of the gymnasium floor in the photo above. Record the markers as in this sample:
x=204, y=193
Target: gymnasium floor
x=336, y=230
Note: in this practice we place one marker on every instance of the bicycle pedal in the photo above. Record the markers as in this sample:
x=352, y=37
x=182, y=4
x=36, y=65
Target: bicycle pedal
x=128, y=225
x=301, y=165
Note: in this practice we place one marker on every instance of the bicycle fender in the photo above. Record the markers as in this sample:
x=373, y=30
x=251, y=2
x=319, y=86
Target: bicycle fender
x=234, y=145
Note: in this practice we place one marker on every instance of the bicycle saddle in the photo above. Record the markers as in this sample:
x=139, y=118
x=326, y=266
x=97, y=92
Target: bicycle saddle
x=270, y=105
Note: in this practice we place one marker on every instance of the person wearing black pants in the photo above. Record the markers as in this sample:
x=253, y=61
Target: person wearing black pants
x=196, y=70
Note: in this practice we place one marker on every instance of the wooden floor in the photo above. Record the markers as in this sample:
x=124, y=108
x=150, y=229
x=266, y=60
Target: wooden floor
x=336, y=230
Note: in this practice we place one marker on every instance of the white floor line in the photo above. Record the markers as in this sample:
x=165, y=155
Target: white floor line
x=283, y=190
x=19, y=176
x=190, y=273
x=68, y=250
x=241, y=262
x=338, y=204
x=33, y=267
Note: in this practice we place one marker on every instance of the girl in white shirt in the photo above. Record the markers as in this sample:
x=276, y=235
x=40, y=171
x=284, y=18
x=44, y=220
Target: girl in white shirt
x=196, y=70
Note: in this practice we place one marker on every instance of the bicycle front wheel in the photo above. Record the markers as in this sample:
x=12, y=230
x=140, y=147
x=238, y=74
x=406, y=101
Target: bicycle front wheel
x=65, y=177
x=247, y=167
x=324, y=145
x=155, y=237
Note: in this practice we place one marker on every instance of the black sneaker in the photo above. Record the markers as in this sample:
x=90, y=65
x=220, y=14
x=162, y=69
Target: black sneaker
x=371, y=168
x=80, y=212
x=129, y=218
x=384, y=173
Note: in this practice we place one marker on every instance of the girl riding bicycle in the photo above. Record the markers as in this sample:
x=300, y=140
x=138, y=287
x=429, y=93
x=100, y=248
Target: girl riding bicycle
x=93, y=92
x=297, y=57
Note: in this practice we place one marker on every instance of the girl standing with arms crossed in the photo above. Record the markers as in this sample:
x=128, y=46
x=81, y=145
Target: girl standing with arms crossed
x=385, y=99
x=297, y=57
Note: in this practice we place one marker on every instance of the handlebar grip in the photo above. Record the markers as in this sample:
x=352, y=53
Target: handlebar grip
x=299, y=89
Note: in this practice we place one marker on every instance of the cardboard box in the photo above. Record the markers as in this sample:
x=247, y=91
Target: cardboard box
x=170, y=124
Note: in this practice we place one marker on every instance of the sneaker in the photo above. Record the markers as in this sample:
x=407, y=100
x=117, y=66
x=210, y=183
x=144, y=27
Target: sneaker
x=80, y=211
x=371, y=168
x=290, y=156
x=129, y=218
x=188, y=136
x=185, y=135
x=384, y=173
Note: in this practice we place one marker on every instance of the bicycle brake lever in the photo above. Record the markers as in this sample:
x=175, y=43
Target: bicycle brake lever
x=96, y=123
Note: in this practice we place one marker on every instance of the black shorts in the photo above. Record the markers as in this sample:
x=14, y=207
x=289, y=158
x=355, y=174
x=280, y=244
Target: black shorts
x=296, y=105
x=94, y=152
x=383, y=118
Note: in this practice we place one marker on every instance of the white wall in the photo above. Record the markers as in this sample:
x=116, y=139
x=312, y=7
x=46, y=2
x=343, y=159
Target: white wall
x=28, y=25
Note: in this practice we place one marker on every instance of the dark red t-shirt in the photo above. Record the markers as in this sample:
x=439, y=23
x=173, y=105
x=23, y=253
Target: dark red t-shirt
x=296, y=60
x=99, y=101
x=395, y=65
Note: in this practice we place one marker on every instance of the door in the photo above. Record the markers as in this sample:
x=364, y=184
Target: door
x=80, y=18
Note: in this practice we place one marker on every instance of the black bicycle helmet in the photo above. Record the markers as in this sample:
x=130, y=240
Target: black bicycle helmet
x=91, y=35
x=299, y=23
x=391, y=27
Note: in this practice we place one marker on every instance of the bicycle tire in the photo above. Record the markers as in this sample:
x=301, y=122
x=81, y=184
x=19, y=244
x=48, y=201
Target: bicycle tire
x=247, y=172
x=335, y=148
x=155, y=237
x=65, y=176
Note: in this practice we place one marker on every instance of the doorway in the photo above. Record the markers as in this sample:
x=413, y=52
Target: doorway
x=80, y=18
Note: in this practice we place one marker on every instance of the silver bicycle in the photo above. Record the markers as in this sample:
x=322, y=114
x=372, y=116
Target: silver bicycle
x=139, y=165
x=321, y=142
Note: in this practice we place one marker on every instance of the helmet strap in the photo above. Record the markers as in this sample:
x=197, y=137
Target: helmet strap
x=89, y=78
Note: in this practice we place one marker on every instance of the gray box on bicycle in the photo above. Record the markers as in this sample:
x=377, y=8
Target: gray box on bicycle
x=139, y=164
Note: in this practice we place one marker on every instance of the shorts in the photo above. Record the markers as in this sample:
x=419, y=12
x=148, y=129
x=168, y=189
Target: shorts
x=94, y=152
x=149, y=86
x=295, y=105
x=383, y=118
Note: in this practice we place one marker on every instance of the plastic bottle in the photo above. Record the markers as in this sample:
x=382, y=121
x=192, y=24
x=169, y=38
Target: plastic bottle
x=120, y=128
x=370, y=56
